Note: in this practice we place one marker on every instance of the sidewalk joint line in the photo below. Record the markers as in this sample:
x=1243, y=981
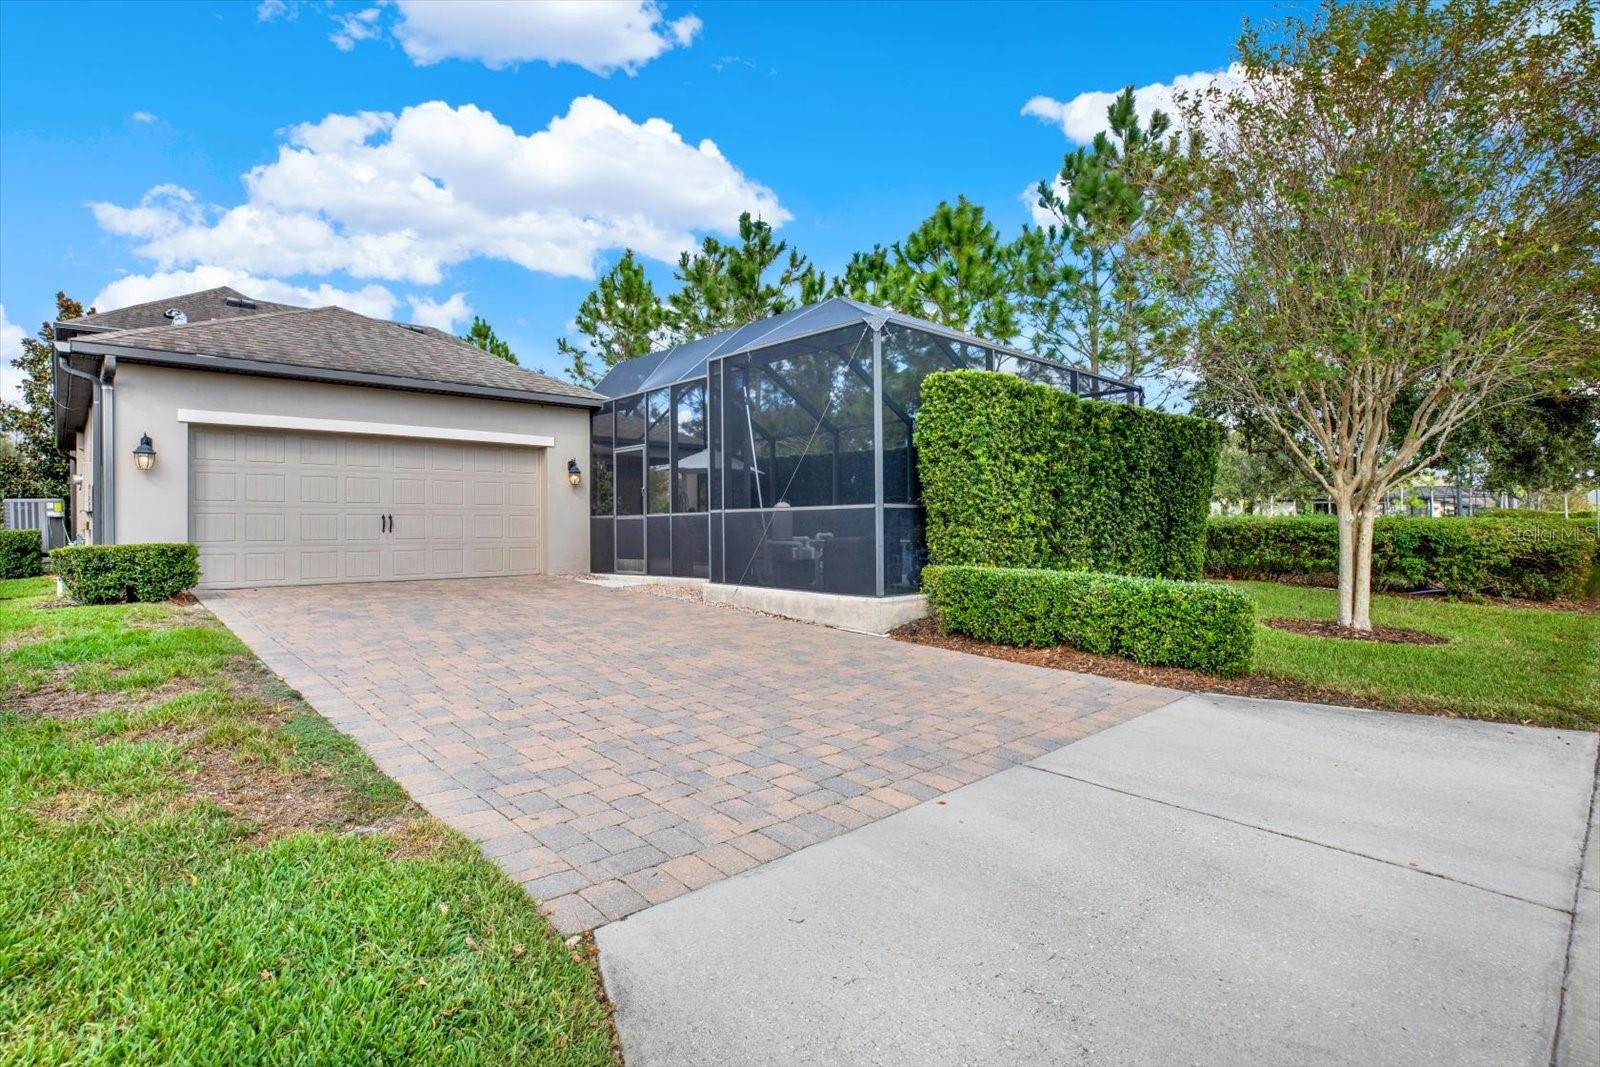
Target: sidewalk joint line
x=1306, y=840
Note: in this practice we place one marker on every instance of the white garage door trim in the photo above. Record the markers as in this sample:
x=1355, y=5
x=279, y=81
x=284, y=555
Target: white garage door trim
x=366, y=429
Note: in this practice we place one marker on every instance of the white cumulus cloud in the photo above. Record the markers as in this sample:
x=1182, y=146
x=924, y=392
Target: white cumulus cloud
x=1085, y=114
x=403, y=197
x=11, y=337
x=374, y=300
x=440, y=314
x=356, y=27
x=143, y=117
x=601, y=36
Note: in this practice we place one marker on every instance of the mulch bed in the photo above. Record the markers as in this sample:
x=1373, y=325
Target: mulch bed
x=926, y=632
x=1388, y=635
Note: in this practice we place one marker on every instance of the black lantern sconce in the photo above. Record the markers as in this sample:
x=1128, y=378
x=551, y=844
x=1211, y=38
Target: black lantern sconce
x=144, y=456
x=574, y=475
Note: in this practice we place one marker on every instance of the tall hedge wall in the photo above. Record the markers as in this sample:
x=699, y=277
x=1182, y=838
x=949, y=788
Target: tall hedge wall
x=1022, y=475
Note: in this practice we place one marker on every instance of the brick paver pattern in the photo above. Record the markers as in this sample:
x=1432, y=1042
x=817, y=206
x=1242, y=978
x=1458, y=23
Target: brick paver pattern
x=613, y=748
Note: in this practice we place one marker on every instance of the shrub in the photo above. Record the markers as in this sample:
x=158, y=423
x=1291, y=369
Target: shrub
x=1022, y=475
x=21, y=554
x=108, y=574
x=1205, y=627
x=1493, y=557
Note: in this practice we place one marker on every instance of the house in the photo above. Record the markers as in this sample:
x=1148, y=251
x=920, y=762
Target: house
x=776, y=460
x=299, y=445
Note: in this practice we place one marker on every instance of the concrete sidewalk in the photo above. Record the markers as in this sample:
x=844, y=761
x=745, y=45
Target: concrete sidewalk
x=1217, y=881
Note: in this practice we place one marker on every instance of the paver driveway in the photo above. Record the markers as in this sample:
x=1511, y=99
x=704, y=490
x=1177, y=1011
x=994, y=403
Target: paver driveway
x=612, y=748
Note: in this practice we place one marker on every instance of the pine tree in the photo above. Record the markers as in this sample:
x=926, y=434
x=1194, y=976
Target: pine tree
x=483, y=336
x=724, y=285
x=1090, y=293
x=31, y=467
x=620, y=319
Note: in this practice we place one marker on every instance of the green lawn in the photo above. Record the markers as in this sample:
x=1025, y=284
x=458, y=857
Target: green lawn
x=1515, y=664
x=179, y=883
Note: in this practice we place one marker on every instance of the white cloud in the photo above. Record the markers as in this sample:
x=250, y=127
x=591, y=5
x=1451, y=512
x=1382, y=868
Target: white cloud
x=271, y=10
x=11, y=337
x=1085, y=114
x=145, y=117
x=353, y=28
x=372, y=300
x=601, y=36
x=440, y=314
x=403, y=197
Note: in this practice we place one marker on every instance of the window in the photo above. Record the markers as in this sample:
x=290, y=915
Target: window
x=658, y=447
x=691, y=470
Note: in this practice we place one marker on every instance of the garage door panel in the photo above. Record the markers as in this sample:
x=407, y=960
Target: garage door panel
x=218, y=486
x=265, y=567
x=363, y=563
x=410, y=491
x=211, y=527
x=446, y=560
x=265, y=488
x=316, y=450
x=266, y=526
x=410, y=526
x=273, y=508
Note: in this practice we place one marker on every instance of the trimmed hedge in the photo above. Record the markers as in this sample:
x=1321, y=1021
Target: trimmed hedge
x=1491, y=557
x=109, y=574
x=1198, y=625
x=1022, y=475
x=21, y=554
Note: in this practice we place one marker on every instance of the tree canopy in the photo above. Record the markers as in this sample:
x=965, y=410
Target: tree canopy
x=481, y=334
x=31, y=467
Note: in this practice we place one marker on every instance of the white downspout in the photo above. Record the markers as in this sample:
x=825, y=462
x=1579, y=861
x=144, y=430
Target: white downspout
x=108, y=374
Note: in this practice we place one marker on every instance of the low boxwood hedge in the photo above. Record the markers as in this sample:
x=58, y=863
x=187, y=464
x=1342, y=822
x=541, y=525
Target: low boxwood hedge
x=1158, y=621
x=21, y=554
x=109, y=574
x=1490, y=557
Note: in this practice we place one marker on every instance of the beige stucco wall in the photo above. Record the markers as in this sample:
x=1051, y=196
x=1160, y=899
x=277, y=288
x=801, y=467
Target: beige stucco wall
x=154, y=505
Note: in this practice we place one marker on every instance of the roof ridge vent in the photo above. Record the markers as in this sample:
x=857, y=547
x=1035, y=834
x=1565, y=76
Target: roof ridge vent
x=177, y=316
x=241, y=302
x=413, y=327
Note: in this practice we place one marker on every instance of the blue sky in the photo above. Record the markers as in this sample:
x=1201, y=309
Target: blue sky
x=423, y=161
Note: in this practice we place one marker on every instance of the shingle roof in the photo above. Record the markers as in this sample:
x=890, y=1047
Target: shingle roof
x=334, y=339
x=196, y=307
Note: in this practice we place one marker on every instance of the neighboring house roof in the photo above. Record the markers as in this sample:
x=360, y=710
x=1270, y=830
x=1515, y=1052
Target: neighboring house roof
x=219, y=303
x=328, y=344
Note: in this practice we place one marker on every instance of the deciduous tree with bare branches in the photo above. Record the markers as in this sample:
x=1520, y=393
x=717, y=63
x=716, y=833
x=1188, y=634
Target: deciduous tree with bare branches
x=1398, y=206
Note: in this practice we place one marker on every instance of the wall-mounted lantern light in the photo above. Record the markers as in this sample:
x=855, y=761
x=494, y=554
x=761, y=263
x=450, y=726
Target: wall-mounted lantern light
x=144, y=456
x=574, y=475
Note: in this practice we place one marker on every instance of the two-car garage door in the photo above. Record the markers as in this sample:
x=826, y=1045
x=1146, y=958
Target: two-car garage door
x=283, y=508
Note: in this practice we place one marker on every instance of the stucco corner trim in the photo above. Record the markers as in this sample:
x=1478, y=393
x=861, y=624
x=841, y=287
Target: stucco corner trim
x=369, y=429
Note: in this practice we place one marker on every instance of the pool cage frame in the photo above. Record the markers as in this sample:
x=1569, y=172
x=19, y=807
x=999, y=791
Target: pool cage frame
x=725, y=458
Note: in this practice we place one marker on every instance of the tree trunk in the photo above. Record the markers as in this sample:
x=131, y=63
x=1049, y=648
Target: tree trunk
x=1345, y=508
x=1361, y=613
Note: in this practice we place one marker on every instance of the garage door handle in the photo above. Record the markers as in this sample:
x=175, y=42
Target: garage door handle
x=385, y=523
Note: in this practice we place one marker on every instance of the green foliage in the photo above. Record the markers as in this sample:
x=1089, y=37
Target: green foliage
x=725, y=285
x=482, y=335
x=21, y=554
x=1490, y=557
x=1201, y=626
x=109, y=574
x=620, y=319
x=1085, y=279
x=952, y=269
x=1022, y=475
x=29, y=463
